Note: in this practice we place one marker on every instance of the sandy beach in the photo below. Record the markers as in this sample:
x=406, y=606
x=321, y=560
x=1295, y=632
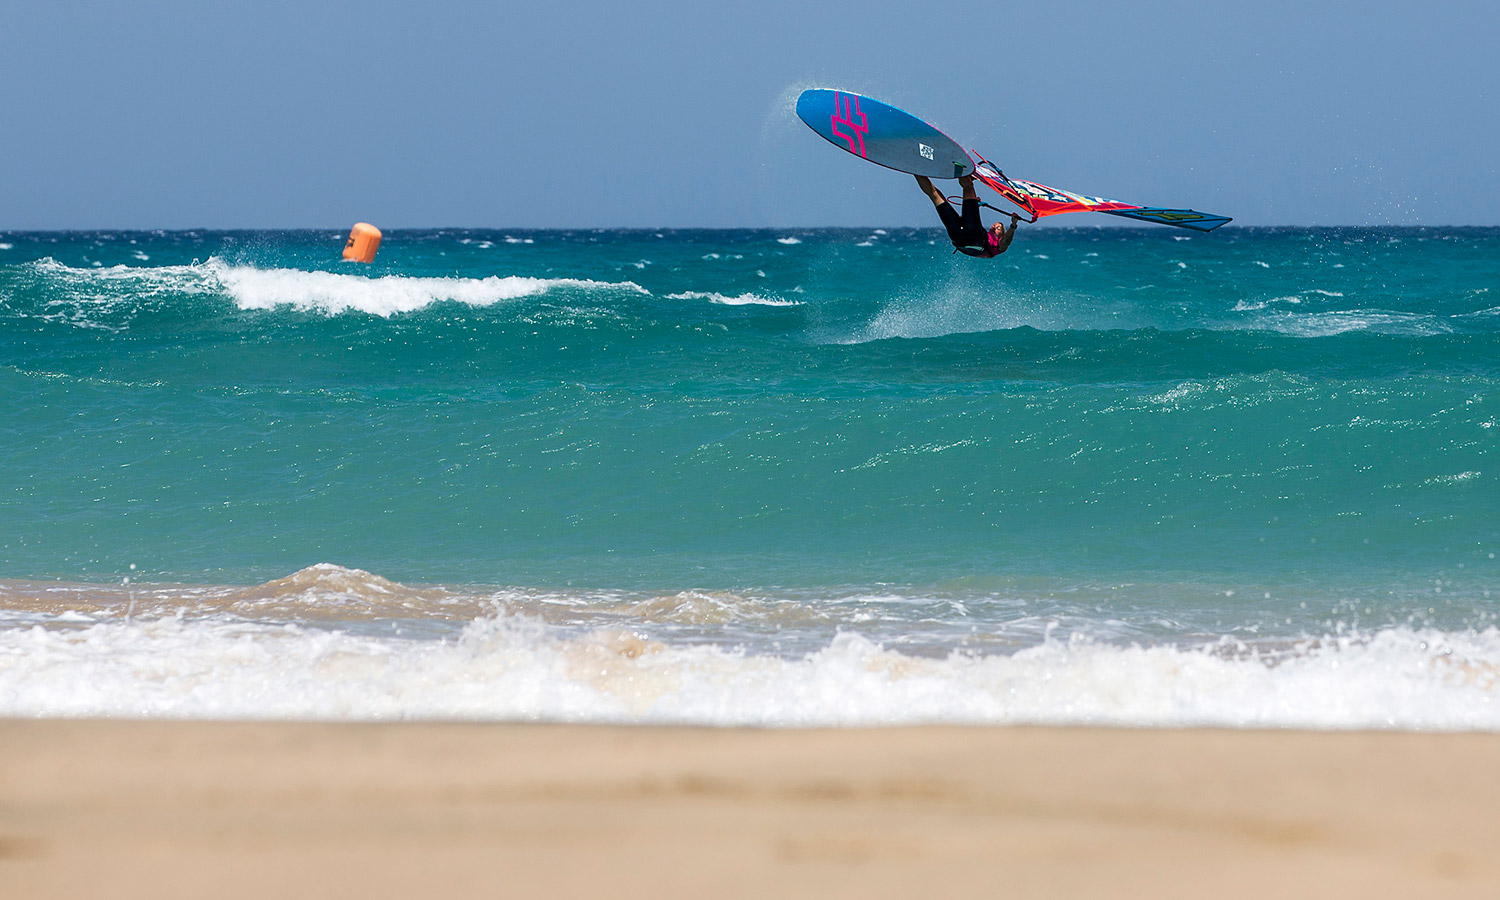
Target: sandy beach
x=177, y=809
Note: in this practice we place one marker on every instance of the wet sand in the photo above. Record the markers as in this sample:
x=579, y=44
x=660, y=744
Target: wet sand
x=229, y=810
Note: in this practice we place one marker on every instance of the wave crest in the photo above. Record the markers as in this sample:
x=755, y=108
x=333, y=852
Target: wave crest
x=90, y=291
x=741, y=300
x=387, y=295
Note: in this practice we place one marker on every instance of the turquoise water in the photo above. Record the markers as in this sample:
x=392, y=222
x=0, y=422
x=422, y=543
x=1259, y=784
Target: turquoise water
x=1139, y=439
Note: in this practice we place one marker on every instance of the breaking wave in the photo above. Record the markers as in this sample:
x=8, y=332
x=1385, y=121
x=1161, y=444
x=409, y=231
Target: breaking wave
x=305, y=647
x=388, y=295
x=514, y=668
x=251, y=288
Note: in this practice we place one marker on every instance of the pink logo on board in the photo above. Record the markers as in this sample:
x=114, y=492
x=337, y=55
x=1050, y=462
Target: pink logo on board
x=845, y=108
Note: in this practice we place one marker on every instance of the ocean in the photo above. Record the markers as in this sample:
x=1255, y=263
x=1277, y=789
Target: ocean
x=1118, y=476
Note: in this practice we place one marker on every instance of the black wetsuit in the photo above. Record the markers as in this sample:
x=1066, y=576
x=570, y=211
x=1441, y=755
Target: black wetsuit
x=966, y=230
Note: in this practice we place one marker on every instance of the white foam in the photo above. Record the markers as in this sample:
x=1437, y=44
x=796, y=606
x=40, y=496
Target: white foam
x=253, y=288
x=98, y=283
x=781, y=240
x=1332, y=323
x=1187, y=390
x=506, y=668
x=1251, y=305
x=741, y=300
x=1460, y=478
x=7, y=246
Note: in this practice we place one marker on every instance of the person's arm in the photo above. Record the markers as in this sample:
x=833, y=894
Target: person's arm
x=1010, y=232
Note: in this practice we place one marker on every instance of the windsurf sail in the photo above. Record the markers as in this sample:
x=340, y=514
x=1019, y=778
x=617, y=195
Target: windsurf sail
x=882, y=134
x=1038, y=201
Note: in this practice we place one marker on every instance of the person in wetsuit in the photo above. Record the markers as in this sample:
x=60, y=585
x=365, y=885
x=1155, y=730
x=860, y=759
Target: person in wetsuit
x=965, y=229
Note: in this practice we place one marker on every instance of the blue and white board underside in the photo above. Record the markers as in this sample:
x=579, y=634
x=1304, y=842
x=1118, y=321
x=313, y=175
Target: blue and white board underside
x=882, y=134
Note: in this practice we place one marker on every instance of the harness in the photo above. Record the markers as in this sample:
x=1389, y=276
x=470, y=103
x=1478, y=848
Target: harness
x=980, y=250
x=983, y=251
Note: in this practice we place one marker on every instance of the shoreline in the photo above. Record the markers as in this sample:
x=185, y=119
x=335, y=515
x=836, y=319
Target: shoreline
x=138, y=808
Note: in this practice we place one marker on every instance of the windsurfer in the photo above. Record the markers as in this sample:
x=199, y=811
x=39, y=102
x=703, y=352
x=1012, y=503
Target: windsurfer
x=965, y=229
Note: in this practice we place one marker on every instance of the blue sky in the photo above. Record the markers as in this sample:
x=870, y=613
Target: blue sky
x=662, y=114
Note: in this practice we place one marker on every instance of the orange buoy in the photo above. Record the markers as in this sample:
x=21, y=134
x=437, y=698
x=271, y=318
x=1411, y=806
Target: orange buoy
x=364, y=240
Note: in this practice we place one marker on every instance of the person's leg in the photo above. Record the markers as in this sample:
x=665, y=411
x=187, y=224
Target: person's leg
x=945, y=211
x=933, y=194
x=967, y=183
x=972, y=223
x=951, y=222
x=972, y=226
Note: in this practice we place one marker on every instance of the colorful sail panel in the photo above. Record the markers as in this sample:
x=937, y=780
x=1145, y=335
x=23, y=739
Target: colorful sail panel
x=1182, y=218
x=1040, y=200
